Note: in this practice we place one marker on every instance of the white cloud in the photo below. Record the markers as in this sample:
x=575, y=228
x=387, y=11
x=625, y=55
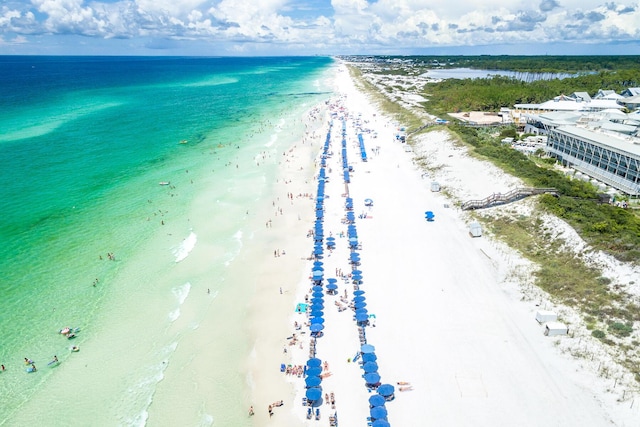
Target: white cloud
x=358, y=25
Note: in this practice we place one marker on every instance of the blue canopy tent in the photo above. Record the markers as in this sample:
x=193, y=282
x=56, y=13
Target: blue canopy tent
x=367, y=348
x=314, y=371
x=318, y=264
x=317, y=294
x=312, y=381
x=378, y=412
x=314, y=362
x=318, y=306
x=314, y=393
x=372, y=378
x=386, y=390
x=316, y=288
x=316, y=327
x=369, y=357
x=362, y=317
x=376, y=400
x=370, y=367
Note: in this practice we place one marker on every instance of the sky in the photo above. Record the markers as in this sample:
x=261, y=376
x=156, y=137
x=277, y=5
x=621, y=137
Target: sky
x=319, y=27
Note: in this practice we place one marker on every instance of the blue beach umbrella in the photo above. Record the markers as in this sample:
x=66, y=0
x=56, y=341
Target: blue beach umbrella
x=317, y=294
x=386, y=390
x=317, y=300
x=367, y=348
x=360, y=305
x=377, y=400
x=370, y=367
x=332, y=280
x=314, y=371
x=317, y=320
x=378, y=412
x=369, y=357
x=362, y=317
x=317, y=306
x=356, y=271
x=358, y=292
x=314, y=362
x=380, y=423
x=359, y=298
x=314, y=393
x=313, y=381
x=316, y=288
x=332, y=286
x=316, y=327
x=372, y=378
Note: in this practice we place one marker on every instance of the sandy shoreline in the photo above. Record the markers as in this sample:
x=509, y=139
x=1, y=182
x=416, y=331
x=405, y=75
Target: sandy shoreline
x=448, y=316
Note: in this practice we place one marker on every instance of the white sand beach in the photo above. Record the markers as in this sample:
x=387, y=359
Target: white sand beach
x=450, y=326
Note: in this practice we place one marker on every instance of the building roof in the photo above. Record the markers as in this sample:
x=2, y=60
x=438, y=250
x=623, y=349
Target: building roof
x=606, y=140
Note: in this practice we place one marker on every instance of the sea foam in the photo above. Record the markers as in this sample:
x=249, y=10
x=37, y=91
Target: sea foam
x=187, y=245
x=181, y=293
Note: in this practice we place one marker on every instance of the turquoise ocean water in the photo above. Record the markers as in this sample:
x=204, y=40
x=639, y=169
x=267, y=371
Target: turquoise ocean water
x=84, y=144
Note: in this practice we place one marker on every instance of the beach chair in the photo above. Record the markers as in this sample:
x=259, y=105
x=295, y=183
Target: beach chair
x=317, y=414
x=309, y=413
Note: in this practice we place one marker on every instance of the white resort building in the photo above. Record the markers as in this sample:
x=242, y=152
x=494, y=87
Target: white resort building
x=591, y=135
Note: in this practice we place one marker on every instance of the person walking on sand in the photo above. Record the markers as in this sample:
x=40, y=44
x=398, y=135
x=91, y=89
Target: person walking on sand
x=270, y=411
x=251, y=411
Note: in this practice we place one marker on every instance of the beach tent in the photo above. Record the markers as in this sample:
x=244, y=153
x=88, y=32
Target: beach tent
x=301, y=308
x=387, y=390
x=378, y=412
x=475, y=229
x=370, y=367
x=367, y=348
x=314, y=381
x=372, y=378
x=376, y=400
x=314, y=393
x=314, y=362
x=543, y=316
x=314, y=372
x=555, y=328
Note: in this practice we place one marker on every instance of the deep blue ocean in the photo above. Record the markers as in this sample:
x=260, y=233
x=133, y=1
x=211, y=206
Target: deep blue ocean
x=113, y=155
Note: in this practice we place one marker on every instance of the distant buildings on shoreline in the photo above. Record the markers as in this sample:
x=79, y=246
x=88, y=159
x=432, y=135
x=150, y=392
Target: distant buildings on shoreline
x=591, y=135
